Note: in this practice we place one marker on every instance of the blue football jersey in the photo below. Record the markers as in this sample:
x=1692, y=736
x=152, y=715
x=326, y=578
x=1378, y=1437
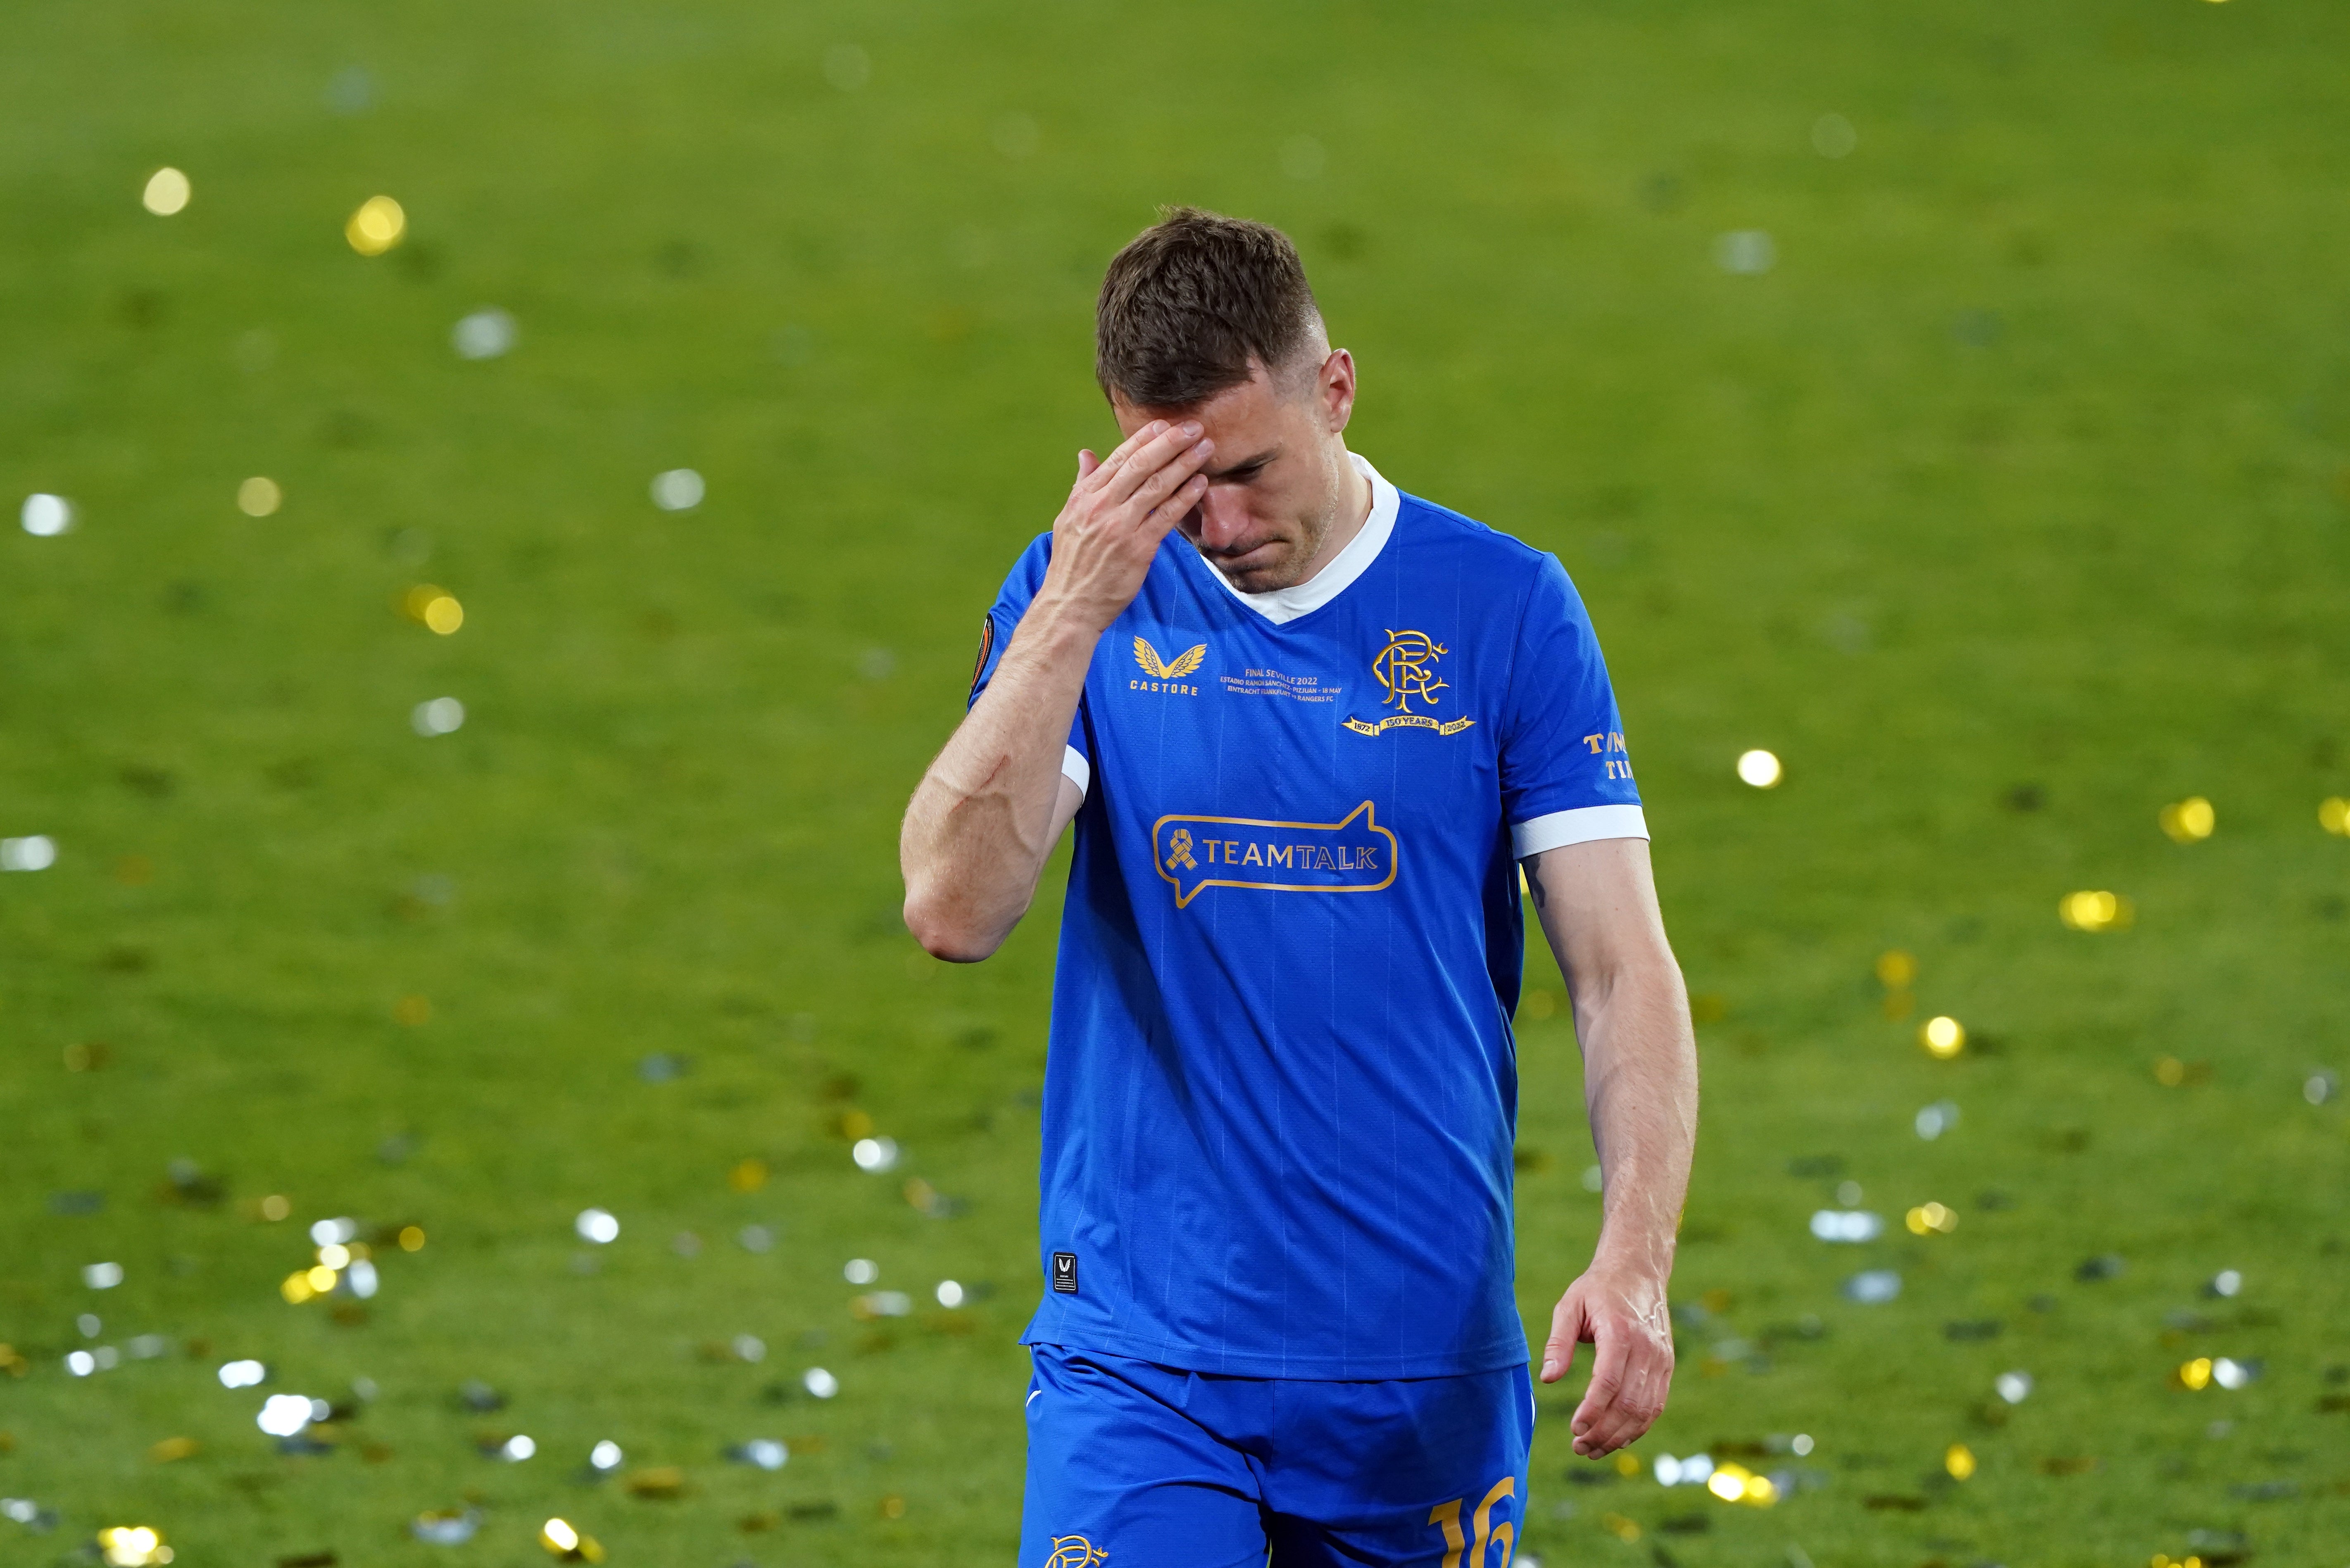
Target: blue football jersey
x=1280, y=1088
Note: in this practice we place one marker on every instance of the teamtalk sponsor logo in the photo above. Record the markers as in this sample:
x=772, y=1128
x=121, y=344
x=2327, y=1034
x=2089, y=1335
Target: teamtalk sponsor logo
x=1074, y=1552
x=1196, y=853
x=1164, y=674
x=1405, y=669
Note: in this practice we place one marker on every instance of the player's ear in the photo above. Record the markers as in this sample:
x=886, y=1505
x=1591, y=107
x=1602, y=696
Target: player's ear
x=1335, y=390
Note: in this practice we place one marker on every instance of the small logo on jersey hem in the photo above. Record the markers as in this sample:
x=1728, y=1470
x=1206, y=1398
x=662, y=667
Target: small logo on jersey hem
x=1167, y=674
x=1074, y=1552
x=1196, y=853
x=1065, y=1274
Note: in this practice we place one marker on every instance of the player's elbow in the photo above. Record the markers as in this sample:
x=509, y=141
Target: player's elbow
x=945, y=931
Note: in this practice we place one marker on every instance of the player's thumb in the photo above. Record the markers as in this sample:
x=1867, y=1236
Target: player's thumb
x=1565, y=1334
x=1087, y=464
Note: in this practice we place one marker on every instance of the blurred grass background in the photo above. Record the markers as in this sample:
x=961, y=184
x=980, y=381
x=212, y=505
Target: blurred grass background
x=2009, y=503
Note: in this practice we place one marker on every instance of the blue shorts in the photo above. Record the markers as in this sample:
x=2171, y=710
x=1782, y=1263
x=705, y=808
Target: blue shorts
x=1142, y=1465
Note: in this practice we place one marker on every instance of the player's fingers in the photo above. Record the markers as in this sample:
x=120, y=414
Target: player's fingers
x=1086, y=463
x=1640, y=1396
x=1610, y=1360
x=1175, y=508
x=1180, y=470
x=1615, y=1424
x=1115, y=460
x=1565, y=1334
x=1147, y=460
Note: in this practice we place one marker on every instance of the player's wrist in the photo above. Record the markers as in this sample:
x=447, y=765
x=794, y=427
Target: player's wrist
x=1062, y=621
x=1643, y=1258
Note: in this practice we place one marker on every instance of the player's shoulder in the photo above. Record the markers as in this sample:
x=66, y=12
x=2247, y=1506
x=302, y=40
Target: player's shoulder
x=1423, y=525
x=1027, y=573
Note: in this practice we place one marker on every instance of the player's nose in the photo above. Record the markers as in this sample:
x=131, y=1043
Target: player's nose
x=1224, y=519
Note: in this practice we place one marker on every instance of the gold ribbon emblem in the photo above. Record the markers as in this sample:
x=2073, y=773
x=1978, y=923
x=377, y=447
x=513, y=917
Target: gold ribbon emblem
x=1179, y=851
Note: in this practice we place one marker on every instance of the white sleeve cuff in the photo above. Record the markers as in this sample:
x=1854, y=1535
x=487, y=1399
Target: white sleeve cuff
x=1581, y=826
x=1080, y=772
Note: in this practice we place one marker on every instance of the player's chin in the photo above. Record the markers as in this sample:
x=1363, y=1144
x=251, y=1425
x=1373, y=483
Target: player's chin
x=1268, y=567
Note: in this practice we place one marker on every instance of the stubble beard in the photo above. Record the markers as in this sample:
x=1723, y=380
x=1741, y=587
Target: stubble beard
x=1291, y=570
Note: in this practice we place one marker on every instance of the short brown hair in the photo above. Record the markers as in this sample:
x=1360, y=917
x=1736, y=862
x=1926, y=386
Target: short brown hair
x=1191, y=301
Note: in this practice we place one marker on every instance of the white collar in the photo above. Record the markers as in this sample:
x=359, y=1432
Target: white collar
x=1284, y=605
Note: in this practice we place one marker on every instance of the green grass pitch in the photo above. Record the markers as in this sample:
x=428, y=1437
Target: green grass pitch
x=2009, y=503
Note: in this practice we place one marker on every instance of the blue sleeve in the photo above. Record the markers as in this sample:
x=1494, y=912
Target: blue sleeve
x=995, y=631
x=1566, y=774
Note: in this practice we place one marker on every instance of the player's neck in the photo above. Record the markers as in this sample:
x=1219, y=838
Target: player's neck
x=1354, y=511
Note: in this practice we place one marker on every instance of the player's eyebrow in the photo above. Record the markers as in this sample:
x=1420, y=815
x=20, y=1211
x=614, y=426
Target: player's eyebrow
x=1245, y=467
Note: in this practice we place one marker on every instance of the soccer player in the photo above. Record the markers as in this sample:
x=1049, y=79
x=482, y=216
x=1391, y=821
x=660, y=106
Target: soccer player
x=1309, y=728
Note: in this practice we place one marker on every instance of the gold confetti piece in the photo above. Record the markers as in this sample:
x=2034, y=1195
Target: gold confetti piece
x=2188, y=821
x=297, y=1287
x=1759, y=769
x=852, y=1123
x=2192, y=1376
x=2334, y=815
x=567, y=1544
x=167, y=193
x=1628, y=1464
x=411, y=1237
x=1897, y=969
x=2170, y=1071
x=171, y=1448
x=1621, y=1528
x=377, y=226
x=748, y=1175
x=275, y=1208
x=2096, y=911
x=85, y=1057
x=13, y=1362
x=259, y=496
x=430, y=605
x=893, y=1507
x=132, y=1546
x=1960, y=1461
x=1736, y=1483
x=1943, y=1036
x=1931, y=1218
x=660, y=1483
x=412, y=1011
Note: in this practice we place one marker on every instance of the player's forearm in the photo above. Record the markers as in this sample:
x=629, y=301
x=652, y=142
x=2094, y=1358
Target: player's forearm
x=1640, y=1086
x=979, y=826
